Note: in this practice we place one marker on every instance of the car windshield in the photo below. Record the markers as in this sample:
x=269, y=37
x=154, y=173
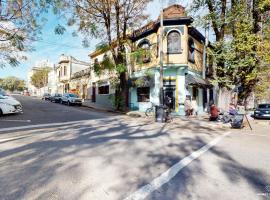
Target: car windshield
x=3, y=97
x=72, y=95
x=3, y=92
x=264, y=106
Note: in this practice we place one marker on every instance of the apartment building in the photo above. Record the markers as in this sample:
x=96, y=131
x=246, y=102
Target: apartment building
x=183, y=47
x=65, y=70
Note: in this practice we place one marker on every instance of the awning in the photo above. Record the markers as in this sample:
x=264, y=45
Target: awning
x=197, y=81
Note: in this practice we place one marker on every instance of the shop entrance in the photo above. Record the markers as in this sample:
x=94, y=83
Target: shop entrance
x=169, y=93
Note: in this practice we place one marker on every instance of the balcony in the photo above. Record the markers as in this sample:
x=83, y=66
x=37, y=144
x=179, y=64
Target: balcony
x=82, y=73
x=64, y=59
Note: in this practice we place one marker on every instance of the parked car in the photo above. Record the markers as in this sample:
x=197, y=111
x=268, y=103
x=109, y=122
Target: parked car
x=26, y=93
x=46, y=96
x=262, y=111
x=9, y=105
x=71, y=99
x=56, y=98
x=4, y=93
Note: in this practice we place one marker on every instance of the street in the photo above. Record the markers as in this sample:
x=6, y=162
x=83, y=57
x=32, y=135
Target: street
x=41, y=112
x=53, y=151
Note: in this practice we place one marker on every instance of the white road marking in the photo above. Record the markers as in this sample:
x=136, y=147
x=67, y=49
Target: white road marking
x=144, y=191
x=41, y=125
x=14, y=120
x=259, y=135
x=50, y=132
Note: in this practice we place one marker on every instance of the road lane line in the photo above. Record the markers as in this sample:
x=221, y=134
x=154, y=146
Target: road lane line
x=41, y=125
x=251, y=134
x=164, y=178
x=15, y=120
x=50, y=132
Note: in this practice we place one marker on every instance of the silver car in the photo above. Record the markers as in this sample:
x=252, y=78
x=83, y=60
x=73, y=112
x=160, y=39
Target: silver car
x=71, y=99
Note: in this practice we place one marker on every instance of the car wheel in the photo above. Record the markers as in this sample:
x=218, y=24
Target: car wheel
x=1, y=113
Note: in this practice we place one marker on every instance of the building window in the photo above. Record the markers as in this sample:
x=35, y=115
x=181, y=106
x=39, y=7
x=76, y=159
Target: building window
x=194, y=92
x=191, y=50
x=174, y=42
x=103, y=89
x=145, y=56
x=65, y=70
x=143, y=94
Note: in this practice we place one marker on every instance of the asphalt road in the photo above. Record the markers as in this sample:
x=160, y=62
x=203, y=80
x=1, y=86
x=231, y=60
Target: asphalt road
x=36, y=111
x=111, y=157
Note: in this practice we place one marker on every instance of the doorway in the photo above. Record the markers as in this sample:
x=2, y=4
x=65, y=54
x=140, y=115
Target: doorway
x=94, y=92
x=170, y=92
x=169, y=86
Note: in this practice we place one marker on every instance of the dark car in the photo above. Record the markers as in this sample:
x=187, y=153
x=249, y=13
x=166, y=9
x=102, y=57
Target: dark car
x=56, y=98
x=262, y=111
x=46, y=96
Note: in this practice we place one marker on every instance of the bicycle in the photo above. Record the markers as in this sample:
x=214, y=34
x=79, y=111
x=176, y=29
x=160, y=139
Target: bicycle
x=150, y=111
x=169, y=117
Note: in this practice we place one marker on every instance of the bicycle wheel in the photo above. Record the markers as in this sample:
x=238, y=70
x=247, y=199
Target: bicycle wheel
x=149, y=112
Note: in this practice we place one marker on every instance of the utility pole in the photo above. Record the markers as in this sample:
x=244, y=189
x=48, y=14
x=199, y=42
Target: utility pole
x=161, y=56
x=206, y=43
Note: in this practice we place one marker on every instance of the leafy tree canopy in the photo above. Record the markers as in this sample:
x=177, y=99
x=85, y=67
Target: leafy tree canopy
x=12, y=83
x=20, y=24
x=40, y=78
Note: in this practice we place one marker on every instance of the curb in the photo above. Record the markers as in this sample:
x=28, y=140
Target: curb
x=104, y=110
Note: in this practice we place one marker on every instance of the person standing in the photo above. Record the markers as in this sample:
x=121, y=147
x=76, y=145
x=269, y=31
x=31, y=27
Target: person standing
x=187, y=104
x=194, y=106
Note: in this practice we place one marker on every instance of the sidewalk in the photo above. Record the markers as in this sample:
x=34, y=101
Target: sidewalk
x=96, y=106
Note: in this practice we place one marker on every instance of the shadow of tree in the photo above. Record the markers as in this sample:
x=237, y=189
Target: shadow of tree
x=139, y=151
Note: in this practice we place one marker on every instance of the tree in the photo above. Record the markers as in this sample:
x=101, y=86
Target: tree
x=262, y=90
x=216, y=15
x=12, y=83
x=237, y=25
x=20, y=25
x=111, y=21
x=40, y=78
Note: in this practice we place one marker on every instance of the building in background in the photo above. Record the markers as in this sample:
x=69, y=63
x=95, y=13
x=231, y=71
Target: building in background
x=33, y=91
x=65, y=70
x=183, y=47
x=52, y=81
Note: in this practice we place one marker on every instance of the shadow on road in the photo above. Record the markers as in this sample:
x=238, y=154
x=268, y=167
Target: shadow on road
x=57, y=160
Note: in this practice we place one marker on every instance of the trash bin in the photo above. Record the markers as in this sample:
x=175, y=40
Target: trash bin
x=160, y=115
x=237, y=122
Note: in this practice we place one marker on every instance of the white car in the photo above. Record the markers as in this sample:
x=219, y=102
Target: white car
x=9, y=105
x=71, y=99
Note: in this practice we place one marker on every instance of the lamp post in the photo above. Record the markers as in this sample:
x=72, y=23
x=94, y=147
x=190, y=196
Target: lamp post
x=161, y=56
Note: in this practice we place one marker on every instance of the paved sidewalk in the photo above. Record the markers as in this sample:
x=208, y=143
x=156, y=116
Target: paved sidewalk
x=89, y=104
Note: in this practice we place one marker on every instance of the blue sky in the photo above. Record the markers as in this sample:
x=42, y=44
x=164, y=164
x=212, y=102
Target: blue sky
x=52, y=45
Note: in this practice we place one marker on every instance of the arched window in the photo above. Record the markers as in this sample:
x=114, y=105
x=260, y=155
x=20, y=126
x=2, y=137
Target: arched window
x=174, y=42
x=145, y=56
x=191, y=50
